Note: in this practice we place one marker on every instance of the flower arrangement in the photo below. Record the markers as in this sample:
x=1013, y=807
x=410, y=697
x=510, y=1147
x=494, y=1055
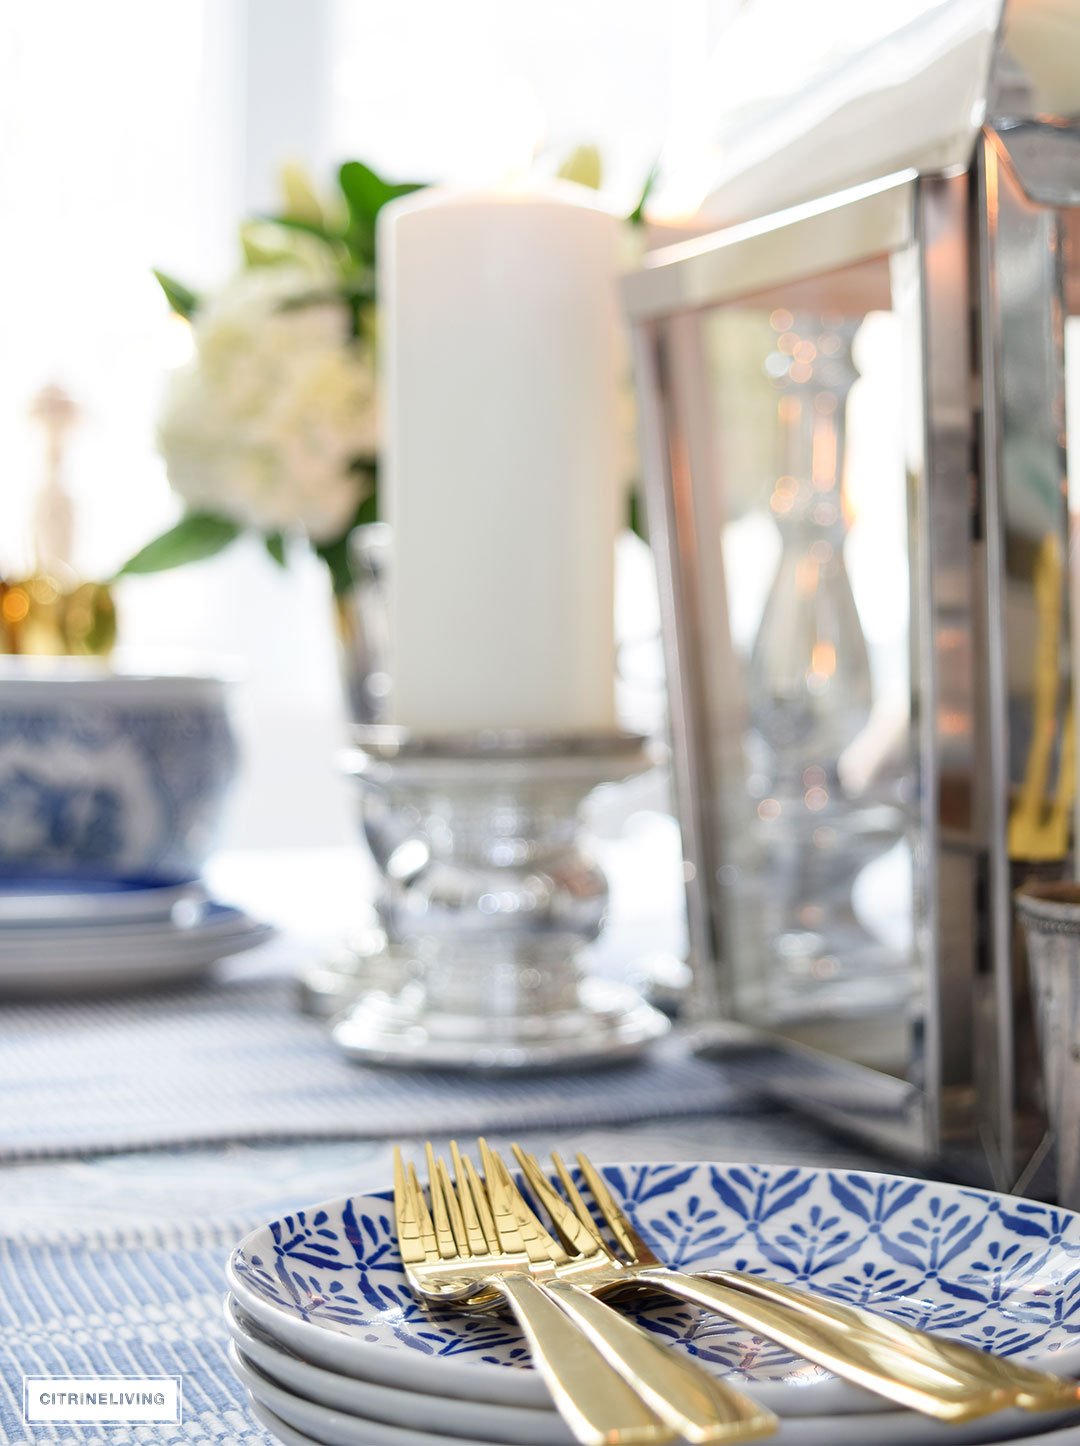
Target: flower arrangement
x=273, y=426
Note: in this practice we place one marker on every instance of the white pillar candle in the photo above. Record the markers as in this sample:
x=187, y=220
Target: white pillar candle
x=499, y=328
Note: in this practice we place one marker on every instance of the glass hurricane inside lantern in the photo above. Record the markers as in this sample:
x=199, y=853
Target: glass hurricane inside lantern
x=809, y=697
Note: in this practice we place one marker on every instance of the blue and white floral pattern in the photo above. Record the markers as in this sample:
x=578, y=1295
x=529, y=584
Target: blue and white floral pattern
x=1000, y=1273
x=124, y=789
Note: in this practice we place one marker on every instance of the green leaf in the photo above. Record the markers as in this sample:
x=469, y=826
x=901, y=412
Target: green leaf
x=310, y=228
x=275, y=546
x=198, y=535
x=366, y=193
x=637, y=215
x=182, y=300
x=336, y=554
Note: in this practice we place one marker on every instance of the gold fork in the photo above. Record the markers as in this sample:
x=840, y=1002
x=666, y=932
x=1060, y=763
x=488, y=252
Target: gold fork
x=1030, y=1388
x=479, y=1246
x=877, y=1365
x=594, y=1401
x=696, y=1404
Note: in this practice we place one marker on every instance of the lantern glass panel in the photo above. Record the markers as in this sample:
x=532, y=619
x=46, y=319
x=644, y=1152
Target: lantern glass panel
x=796, y=475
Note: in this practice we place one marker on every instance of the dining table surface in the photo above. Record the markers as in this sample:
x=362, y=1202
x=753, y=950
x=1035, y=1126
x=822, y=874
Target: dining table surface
x=141, y=1137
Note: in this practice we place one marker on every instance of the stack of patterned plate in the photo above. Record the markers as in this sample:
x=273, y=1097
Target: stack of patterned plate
x=68, y=935
x=333, y=1347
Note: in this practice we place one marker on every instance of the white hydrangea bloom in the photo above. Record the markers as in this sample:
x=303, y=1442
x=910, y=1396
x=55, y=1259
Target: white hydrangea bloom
x=280, y=399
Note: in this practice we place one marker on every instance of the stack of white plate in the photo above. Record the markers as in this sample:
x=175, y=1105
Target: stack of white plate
x=333, y=1347
x=76, y=935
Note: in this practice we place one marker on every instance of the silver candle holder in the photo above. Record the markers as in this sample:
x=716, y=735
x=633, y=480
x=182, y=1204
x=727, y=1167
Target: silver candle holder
x=487, y=902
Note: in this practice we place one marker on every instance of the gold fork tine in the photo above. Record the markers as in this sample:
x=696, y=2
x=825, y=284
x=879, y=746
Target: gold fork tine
x=578, y=1237
x=537, y=1243
x=617, y=1222
x=482, y=1203
x=444, y=1236
x=428, y=1239
x=540, y=1244
x=410, y=1242
x=479, y=1243
x=506, y=1223
x=453, y=1209
x=573, y=1194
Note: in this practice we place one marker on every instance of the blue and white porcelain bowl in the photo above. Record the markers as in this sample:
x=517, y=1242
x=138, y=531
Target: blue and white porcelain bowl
x=998, y=1272
x=110, y=774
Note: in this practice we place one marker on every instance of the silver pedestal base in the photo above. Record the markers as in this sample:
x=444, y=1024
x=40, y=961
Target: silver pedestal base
x=608, y=1022
x=359, y=966
x=488, y=903
x=364, y=966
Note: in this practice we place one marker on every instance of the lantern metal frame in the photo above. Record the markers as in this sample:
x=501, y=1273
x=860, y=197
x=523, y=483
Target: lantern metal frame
x=979, y=271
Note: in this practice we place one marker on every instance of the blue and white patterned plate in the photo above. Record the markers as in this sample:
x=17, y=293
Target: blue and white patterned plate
x=996, y=1271
x=29, y=900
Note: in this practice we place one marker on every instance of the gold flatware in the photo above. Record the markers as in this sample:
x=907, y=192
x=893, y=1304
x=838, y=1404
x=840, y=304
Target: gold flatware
x=693, y=1402
x=874, y=1361
x=479, y=1246
x=1031, y=1389
x=593, y=1400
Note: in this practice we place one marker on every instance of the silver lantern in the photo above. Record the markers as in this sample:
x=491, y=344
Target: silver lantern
x=853, y=396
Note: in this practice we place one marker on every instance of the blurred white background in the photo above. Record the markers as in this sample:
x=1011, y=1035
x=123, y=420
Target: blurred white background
x=136, y=135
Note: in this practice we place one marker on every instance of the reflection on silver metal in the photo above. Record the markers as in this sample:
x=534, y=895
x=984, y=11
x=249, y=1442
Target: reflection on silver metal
x=1051, y=917
x=1030, y=742
x=904, y=86
x=978, y=269
x=488, y=902
x=357, y=966
x=364, y=625
x=865, y=221
x=808, y=838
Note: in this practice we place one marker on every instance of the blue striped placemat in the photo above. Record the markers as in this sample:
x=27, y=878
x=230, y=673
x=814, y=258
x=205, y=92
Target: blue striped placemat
x=144, y=1303
x=235, y=1061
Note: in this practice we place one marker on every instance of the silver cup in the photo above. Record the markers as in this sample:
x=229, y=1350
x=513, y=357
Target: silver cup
x=1050, y=913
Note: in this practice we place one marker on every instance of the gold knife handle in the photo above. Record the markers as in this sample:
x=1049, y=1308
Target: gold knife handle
x=594, y=1400
x=694, y=1403
x=1032, y=1389
x=871, y=1362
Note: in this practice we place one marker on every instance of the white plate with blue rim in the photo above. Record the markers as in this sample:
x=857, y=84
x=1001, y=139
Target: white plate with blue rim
x=93, y=962
x=334, y=1407
x=73, y=901
x=998, y=1272
x=206, y=921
